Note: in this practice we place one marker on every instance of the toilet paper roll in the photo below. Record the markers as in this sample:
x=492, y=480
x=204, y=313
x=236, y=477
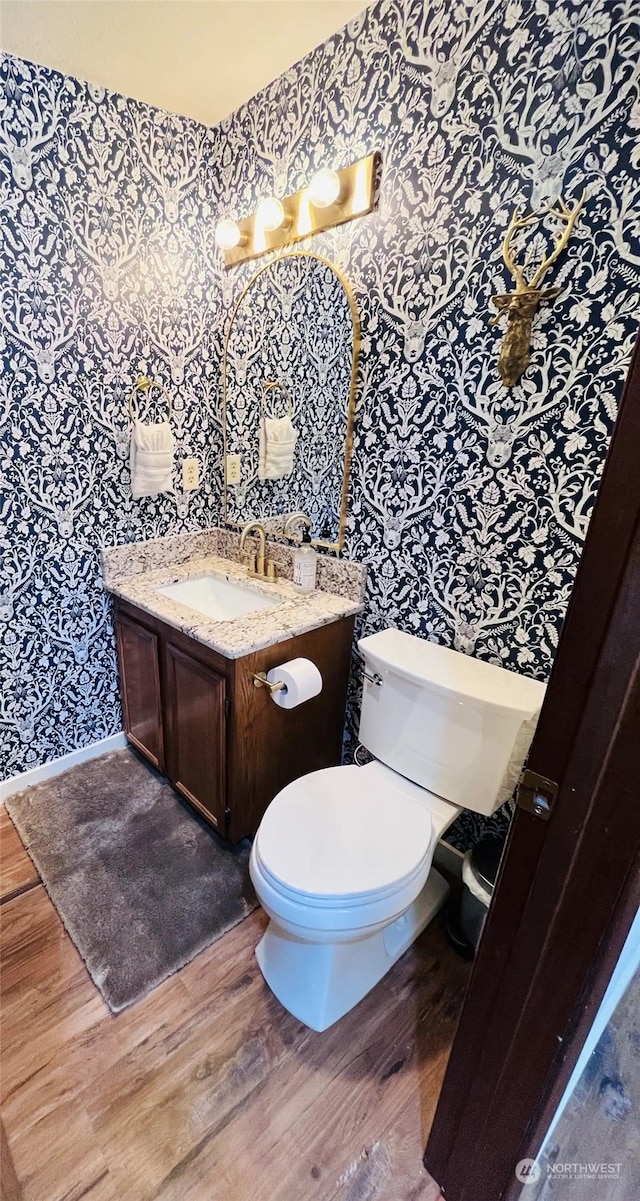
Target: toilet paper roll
x=303, y=681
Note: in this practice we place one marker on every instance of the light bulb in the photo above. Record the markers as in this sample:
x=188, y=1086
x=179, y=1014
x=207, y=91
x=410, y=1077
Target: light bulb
x=227, y=234
x=270, y=213
x=324, y=188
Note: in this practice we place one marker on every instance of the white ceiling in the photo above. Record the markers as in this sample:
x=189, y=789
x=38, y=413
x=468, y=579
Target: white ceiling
x=202, y=58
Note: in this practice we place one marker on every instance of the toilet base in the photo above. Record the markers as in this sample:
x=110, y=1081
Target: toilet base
x=320, y=982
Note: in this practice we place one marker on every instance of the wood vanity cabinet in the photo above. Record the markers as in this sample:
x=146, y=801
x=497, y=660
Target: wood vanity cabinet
x=222, y=742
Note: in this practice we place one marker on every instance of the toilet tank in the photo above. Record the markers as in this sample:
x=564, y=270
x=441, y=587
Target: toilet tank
x=457, y=726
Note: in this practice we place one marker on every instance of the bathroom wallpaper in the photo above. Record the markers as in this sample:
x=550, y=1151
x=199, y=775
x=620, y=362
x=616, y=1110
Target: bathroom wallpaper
x=104, y=273
x=469, y=501
x=293, y=326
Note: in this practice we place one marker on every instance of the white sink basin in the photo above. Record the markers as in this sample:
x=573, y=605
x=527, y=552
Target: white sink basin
x=217, y=598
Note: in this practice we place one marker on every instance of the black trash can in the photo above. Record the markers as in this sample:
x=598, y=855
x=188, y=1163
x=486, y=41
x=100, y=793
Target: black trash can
x=479, y=874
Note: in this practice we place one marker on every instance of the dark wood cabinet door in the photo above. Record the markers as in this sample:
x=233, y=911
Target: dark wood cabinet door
x=140, y=685
x=195, y=733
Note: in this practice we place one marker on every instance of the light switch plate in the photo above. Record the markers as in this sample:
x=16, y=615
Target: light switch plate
x=190, y=474
x=233, y=469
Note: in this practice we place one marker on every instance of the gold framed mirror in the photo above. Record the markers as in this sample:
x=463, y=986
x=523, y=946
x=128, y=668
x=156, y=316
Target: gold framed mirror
x=289, y=373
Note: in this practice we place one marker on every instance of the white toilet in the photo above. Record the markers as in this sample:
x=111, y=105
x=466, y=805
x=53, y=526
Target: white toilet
x=342, y=859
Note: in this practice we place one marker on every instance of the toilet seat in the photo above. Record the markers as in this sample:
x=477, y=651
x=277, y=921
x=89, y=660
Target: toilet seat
x=305, y=919
x=349, y=901
x=345, y=837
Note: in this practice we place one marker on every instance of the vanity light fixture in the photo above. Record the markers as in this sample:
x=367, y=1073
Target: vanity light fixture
x=325, y=188
x=331, y=198
x=228, y=234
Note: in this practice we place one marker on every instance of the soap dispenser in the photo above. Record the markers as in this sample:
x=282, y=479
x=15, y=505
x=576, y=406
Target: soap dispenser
x=305, y=564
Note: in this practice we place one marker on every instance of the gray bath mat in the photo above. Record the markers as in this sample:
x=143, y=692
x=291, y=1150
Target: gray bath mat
x=140, y=883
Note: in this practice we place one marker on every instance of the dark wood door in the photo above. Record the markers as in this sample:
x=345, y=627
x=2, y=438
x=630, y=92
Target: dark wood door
x=195, y=732
x=566, y=888
x=138, y=655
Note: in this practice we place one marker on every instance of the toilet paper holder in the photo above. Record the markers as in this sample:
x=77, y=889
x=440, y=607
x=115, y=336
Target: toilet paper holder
x=260, y=681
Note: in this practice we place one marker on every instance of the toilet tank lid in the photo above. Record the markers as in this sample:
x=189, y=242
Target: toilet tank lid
x=453, y=672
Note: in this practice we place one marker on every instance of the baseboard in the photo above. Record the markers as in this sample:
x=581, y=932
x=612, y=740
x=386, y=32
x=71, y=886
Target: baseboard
x=448, y=858
x=46, y=771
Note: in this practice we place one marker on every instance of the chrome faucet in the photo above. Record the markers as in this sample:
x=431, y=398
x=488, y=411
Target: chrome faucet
x=256, y=565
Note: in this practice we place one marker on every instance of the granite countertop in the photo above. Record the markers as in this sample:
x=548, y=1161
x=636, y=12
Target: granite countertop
x=292, y=612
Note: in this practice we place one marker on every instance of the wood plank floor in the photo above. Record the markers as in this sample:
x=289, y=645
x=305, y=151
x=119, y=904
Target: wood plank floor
x=17, y=872
x=207, y=1090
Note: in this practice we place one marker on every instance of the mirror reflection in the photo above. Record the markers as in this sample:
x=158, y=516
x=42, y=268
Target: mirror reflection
x=289, y=372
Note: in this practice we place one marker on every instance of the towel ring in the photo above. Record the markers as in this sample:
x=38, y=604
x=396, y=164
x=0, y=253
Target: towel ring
x=271, y=386
x=144, y=384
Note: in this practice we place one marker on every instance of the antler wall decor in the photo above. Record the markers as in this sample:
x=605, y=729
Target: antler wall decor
x=521, y=305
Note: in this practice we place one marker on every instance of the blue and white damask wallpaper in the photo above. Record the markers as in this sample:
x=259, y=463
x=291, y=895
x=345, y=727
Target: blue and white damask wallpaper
x=469, y=501
x=105, y=272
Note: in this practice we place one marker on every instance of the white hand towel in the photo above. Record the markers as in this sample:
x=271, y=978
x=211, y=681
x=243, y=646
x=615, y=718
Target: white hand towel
x=151, y=459
x=277, y=443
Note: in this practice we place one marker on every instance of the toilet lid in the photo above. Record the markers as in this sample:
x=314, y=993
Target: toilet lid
x=345, y=832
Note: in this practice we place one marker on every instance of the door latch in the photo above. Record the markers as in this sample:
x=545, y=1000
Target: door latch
x=536, y=794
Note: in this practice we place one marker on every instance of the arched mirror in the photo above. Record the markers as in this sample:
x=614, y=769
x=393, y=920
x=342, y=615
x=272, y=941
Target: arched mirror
x=289, y=384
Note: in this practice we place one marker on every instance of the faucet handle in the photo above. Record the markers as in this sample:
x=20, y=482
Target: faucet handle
x=272, y=569
x=251, y=561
